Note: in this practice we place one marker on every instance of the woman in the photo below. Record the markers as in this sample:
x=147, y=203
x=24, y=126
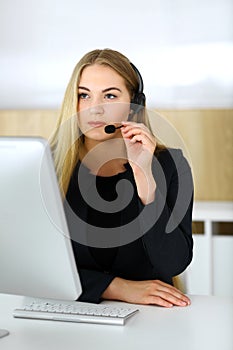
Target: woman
x=121, y=189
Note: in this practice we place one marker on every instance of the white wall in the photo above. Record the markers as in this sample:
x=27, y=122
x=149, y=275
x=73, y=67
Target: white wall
x=183, y=48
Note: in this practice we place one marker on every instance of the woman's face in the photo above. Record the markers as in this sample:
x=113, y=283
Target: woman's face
x=102, y=99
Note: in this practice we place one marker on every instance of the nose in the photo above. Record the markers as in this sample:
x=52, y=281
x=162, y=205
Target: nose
x=96, y=109
x=96, y=106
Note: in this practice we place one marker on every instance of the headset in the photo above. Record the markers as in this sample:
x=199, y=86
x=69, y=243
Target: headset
x=139, y=99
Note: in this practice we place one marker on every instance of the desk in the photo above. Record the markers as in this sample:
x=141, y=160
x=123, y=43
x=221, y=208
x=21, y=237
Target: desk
x=207, y=324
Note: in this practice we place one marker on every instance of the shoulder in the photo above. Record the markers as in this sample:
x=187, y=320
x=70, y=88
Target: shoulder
x=169, y=157
x=172, y=162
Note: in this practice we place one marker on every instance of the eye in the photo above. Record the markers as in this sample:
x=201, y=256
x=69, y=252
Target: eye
x=110, y=96
x=83, y=96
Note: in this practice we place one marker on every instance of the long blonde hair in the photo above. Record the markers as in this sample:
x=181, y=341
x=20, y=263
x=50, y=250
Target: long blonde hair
x=67, y=137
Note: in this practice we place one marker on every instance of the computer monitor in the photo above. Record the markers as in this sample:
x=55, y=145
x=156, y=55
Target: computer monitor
x=36, y=255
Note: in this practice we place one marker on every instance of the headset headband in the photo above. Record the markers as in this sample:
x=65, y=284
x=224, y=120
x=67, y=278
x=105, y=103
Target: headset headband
x=140, y=81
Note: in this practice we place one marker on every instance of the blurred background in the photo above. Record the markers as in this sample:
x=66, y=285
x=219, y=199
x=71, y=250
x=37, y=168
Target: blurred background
x=184, y=51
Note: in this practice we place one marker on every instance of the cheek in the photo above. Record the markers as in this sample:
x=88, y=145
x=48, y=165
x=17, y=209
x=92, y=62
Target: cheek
x=82, y=119
x=117, y=112
x=82, y=104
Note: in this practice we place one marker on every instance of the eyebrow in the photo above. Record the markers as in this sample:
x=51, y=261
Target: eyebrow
x=105, y=90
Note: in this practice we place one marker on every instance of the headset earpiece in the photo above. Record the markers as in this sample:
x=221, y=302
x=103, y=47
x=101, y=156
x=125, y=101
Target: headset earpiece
x=139, y=99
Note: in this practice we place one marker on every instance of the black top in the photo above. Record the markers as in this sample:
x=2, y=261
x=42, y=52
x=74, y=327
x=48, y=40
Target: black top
x=128, y=239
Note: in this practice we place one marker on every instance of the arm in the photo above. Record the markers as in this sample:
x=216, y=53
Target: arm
x=93, y=285
x=169, y=241
x=169, y=253
x=165, y=191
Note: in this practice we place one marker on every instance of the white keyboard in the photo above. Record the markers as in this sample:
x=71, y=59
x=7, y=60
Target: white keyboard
x=77, y=312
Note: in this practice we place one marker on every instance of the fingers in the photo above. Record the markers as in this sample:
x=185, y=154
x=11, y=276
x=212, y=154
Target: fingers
x=149, y=292
x=134, y=129
x=165, y=295
x=138, y=132
x=168, y=299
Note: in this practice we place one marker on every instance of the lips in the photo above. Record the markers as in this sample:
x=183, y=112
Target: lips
x=96, y=124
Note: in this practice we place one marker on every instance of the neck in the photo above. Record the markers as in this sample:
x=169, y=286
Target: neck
x=104, y=158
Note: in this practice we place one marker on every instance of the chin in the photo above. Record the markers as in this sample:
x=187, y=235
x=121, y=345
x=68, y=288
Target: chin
x=98, y=135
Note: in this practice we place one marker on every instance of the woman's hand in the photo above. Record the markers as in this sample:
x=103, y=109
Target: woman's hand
x=152, y=292
x=140, y=146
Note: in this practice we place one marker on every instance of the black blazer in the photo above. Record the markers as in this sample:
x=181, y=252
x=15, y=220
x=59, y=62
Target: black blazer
x=159, y=244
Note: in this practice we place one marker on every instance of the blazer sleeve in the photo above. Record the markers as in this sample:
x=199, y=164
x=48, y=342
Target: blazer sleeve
x=94, y=284
x=168, y=241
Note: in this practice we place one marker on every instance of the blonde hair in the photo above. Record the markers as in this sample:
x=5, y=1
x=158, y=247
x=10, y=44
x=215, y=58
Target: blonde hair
x=67, y=137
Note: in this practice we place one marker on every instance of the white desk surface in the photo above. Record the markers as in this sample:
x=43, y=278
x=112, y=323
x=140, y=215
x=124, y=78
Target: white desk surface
x=207, y=324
